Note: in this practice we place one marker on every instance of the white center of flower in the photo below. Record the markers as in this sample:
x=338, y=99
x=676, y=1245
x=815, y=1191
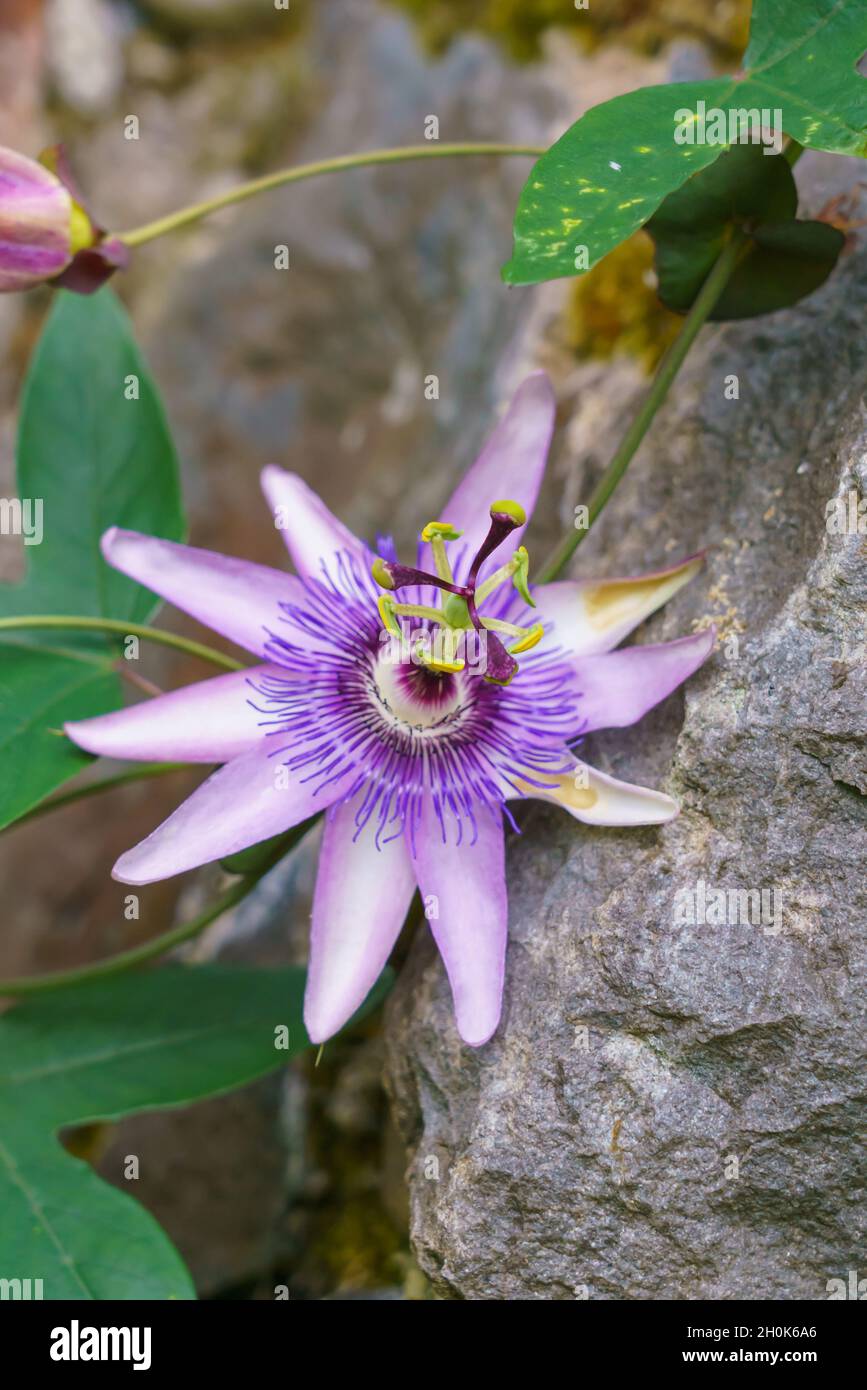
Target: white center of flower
x=412, y=697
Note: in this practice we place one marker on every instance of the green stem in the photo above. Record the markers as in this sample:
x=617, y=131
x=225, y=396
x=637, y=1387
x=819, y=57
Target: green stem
x=149, y=634
x=139, y=955
x=105, y=784
x=665, y=374
x=126, y=960
x=137, y=235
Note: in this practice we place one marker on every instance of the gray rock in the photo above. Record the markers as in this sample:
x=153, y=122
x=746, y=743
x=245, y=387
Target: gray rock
x=675, y=1110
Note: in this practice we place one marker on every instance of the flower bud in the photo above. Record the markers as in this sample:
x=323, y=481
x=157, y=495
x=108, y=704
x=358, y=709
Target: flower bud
x=45, y=232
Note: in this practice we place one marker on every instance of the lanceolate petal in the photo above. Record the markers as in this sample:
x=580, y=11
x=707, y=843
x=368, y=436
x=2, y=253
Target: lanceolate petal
x=361, y=899
x=464, y=890
x=235, y=597
x=617, y=688
x=597, y=799
x=509, y=467
x=212, y=721
x=246, y=801
x=595, y=615
x=311, y=533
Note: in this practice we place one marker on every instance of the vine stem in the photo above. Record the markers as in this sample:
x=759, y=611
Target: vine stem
x=150, y=230
x=667, y=370
x=105, y=784
x=138, y=955
x=117, y=625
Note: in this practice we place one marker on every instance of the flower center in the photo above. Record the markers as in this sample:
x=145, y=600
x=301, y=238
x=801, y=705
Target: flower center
x=459, y=616
x=416, y=698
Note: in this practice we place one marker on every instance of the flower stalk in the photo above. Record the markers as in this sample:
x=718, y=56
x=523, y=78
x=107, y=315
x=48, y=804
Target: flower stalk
x=136, y=236
x=124, y=629
x=667, y=370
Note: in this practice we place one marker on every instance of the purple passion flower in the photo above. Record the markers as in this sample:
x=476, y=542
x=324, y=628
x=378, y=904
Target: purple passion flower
x=45, y=232
x=413, y=705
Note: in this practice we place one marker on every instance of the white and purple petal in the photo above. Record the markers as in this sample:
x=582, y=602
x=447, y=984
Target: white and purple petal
x=510, y=467
x=598, y=799
x=211, y=721
x=248, y=800
x=363, y=892
x=237, y=598
x=589, y=615
x=312, y=535
x=617, y=688
x=462, y=879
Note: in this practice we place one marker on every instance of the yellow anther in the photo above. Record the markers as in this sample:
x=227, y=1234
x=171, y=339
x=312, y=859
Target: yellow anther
x=441, y=529
x=443, y=668
x=521, y=575
x=386, y=612
x=530, y=639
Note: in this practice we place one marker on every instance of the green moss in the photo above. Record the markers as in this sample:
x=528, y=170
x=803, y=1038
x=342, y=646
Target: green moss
x=355, y=1234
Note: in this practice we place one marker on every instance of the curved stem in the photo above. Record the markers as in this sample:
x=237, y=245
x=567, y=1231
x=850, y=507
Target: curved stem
x=150, y=230
x=124, y=629
x=105, y=784
x=665, y=374
x=126, y=960
x=149, y=950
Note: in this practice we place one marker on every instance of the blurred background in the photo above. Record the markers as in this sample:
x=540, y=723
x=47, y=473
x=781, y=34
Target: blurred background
x=394, y=276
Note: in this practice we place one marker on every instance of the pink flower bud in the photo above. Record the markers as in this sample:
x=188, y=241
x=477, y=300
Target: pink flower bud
x=45, y=232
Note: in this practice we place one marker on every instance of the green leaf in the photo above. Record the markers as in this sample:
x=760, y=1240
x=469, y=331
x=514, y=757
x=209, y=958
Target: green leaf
x=39, y=690
x=98, y=1052
x=784, y=259
x=96, y=458
x=93, y=458
x=609, y=173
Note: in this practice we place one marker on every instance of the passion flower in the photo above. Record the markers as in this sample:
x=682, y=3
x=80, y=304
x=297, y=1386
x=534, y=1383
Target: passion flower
x=365, y=705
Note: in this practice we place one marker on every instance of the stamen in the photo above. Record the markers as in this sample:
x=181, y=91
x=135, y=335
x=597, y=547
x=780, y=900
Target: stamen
x=521, y=577
x=500, y=625
x=447, y=661
x=436, y=533
x=441, y=668
x=386, y=608
x=516, y=569
x=419, y=610
x=460, y=609
x=530, y=639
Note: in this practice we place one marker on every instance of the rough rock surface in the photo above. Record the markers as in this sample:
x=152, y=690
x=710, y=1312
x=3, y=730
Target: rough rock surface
x=676, y=1111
